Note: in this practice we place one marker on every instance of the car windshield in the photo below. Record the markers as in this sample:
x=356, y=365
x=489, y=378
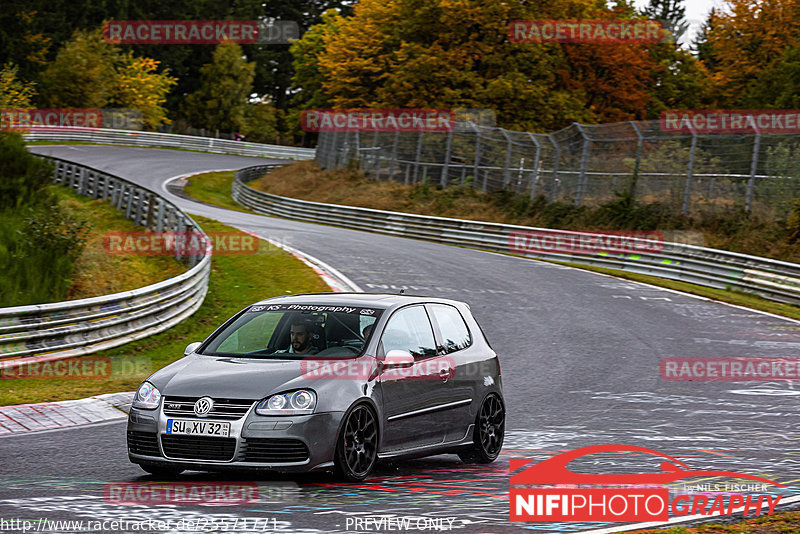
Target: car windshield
x=295, y=331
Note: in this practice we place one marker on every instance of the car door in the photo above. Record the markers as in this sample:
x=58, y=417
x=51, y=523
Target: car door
x=414, y=398
x=454, y=344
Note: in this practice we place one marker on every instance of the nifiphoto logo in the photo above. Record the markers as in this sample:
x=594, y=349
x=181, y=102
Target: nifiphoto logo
x=549, y=491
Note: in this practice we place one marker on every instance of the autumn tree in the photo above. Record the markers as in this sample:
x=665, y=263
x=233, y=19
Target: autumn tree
x=91, y=73
x=138, y=85
x=82, y=75
x=223, y=97
x=457, y=54
x=747, y=37
x=15, y=93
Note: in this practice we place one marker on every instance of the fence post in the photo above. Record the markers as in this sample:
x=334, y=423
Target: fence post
x=535, y=180
x=751, y=183
x=477, y=154
x=556, y=163
x=447, y=152
x=687, y=191
x=374, y=152
x=418, y=156
x=581, y=189
x=507, y=167
x=393, y=158
x=639, y=145
x=333, y=152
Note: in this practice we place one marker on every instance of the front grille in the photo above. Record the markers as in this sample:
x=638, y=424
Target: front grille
x=143, y=443
x=198, y=448
x=223, y=408
x=275, y=450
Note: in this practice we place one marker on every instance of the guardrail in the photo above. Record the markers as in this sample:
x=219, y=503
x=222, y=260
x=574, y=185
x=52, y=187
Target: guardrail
x=53, y=331
x=771, y=279
x=162, y=140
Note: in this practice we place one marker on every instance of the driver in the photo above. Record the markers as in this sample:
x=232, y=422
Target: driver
x=300, y=339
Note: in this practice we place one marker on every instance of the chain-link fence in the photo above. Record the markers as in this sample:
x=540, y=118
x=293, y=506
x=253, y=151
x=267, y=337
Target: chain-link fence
x=587, y=164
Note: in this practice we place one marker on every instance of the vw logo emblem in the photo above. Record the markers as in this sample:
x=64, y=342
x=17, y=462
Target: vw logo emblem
x=203, y=406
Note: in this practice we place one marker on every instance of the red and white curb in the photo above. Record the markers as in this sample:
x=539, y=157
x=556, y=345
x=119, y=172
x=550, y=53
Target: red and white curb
x=24, y=418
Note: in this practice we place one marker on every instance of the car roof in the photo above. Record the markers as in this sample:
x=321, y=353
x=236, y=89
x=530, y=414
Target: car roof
x=372, y=300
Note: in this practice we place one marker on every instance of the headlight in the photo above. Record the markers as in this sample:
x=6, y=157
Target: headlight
x=298, y=402
x=147, y=397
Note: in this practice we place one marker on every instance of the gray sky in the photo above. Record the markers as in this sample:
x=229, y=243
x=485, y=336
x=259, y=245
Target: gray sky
x=696, y=13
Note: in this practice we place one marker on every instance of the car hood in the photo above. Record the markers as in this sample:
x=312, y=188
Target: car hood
x=228, y=377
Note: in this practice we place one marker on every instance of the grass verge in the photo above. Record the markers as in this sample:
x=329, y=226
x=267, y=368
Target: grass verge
x=236, y=281
x=782, y=523
x=214, y=188
x=96, y=271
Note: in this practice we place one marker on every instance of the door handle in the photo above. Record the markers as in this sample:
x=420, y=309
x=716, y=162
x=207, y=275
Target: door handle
x=445, y=374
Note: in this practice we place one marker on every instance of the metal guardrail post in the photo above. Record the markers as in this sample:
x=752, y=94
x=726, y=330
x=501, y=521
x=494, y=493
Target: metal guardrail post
x=687, y=191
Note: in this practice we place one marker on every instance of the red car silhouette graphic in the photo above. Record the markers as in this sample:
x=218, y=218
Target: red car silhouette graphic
x=554, y=470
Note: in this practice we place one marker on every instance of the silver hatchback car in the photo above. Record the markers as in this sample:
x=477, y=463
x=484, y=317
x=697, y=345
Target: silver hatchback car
x=328, y=381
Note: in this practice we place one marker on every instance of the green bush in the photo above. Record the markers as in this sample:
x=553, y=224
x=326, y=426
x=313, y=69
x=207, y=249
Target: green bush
x=39, y=243
x=22, y=175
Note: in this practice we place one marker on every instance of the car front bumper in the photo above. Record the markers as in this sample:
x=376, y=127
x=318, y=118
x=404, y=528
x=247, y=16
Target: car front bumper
x=287, y=443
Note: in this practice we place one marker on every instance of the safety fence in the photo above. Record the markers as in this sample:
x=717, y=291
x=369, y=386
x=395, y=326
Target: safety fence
x=587, y=164
x=164, y=140
x=771, y=279
x=52, y=331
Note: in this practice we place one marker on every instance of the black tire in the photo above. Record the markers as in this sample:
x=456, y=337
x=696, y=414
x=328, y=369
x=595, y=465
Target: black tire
x=490, y=426
x=357, y=444
x=162, y=471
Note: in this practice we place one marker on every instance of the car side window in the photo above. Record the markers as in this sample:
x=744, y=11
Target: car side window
x=409, y=329
x=252, y=336
x=454, y=331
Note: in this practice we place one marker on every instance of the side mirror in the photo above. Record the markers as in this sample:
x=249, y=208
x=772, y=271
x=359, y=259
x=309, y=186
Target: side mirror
x=396, y=359
x=191, y=347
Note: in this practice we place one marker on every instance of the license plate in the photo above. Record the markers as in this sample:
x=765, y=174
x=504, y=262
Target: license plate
x=198, y=428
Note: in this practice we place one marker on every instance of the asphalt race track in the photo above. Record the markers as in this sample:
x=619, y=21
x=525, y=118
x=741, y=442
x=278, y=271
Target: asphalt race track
x=580, y=357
